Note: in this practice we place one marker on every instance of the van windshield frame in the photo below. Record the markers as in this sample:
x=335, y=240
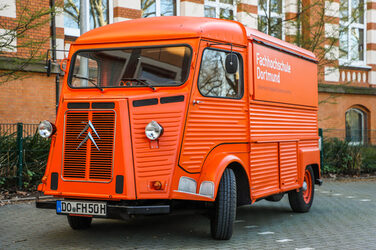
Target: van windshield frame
x=140, y=69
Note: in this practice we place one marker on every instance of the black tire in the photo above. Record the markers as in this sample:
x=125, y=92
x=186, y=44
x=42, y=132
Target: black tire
x=78, y=222
x=275, y=198
x=224, y=211
x=301, y=201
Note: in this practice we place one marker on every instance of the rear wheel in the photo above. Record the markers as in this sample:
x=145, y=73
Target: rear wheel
x=224, y=212
x=79, y=222
x=301, y=201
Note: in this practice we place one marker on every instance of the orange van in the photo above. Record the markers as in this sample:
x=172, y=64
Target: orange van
x=159, y=111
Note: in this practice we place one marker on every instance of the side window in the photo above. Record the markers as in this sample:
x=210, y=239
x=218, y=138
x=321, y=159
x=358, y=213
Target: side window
x=214, y=81
x=85, y=70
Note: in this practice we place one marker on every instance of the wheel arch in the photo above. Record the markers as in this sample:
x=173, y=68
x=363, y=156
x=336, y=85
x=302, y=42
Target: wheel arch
x=213, y=171
x=309, y=157
x=242, y=184
x=316, y=173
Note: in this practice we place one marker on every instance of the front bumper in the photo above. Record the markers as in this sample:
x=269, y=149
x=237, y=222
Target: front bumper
x=117, y=211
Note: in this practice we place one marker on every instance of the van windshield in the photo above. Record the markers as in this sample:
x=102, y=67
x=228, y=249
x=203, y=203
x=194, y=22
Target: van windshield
x=131, y=67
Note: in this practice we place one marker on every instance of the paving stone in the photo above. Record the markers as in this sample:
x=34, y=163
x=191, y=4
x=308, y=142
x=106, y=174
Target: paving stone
x=334, y=222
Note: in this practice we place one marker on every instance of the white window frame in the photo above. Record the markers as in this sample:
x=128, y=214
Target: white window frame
x=158, y=7
x=362, y=126
x=218, y=6
x=76, y=32
x=261, y=12
x=348, y=61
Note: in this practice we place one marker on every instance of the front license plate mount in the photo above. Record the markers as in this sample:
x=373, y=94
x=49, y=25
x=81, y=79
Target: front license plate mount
x=77, y=207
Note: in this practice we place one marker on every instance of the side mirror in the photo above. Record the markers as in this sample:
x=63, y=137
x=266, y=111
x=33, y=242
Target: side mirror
x=63, y=65
x=48, y=67
x=231, y=63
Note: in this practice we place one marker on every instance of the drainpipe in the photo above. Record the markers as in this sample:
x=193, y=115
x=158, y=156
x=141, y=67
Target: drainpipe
x=53, y=44
x=84, y=27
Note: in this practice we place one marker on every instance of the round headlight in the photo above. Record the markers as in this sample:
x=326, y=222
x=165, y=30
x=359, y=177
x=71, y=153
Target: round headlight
x=45, y=129
x=153, y=130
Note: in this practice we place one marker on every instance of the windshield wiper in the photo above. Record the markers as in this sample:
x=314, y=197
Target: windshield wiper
x=142, y=81
x=92, y=81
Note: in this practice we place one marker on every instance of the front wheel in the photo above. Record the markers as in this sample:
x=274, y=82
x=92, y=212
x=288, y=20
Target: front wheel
x=79, y=222
x=224, y=212
x=301, y=201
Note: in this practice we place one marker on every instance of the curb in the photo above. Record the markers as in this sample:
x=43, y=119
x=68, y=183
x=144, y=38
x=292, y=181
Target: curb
x=3, y=202
x=350, y=178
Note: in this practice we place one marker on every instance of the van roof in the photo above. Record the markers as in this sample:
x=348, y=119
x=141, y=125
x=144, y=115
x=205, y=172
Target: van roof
x=178, y=27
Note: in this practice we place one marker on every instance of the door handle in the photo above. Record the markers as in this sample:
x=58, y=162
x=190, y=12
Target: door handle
x=197, y=102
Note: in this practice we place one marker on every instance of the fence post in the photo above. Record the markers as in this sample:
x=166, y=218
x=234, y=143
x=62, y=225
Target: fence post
x=322, y=147
x=20, y=153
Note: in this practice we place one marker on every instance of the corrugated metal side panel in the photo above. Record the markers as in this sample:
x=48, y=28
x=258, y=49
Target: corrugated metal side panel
x=309, y=144
x=156, y=160
x=264, y=169
x=288, y=164
x=269, y=122
x=278, y=122
x=209, y=123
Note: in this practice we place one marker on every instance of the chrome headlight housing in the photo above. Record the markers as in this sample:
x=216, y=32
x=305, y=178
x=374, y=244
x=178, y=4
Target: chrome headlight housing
x=153, y=130
x=46, y=129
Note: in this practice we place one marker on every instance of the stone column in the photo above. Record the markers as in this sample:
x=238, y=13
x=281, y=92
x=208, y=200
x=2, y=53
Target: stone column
x=126, y=10
x=290, y=9
x=247, y=13
x=371, y=40
x=331, y=73
x=192, y=8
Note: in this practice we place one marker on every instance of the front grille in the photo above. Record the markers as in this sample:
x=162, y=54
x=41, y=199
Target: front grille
x=101, y=161
x=86, y=162
x=74, y=160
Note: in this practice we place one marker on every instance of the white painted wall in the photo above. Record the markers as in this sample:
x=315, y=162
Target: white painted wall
x=191, y=9
x=8, y=8
x=331, y=74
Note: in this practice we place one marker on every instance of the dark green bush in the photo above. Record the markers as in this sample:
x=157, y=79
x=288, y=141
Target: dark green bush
x=35, y=154
x=340, y=157
x=369, y=159
x=36, y=151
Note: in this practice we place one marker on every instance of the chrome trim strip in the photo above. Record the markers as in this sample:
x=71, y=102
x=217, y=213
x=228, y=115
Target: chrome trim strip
x=199, y=195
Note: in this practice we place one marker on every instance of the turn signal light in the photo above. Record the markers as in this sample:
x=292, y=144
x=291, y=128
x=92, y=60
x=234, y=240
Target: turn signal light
x=157, y=185
x=44, y=179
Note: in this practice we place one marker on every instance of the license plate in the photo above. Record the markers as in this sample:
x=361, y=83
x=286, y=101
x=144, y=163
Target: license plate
x=81, y=207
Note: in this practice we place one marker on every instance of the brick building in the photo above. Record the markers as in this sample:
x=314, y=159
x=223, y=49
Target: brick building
x=347, y=80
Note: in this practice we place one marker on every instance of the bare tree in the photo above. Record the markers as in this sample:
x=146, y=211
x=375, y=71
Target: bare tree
x=16, y=37
x=309, y=25
x=98, y=9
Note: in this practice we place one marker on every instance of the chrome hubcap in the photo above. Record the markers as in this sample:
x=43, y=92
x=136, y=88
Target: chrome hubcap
x=304, y=188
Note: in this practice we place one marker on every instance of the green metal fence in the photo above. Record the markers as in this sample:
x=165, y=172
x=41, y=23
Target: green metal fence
x=23, y=155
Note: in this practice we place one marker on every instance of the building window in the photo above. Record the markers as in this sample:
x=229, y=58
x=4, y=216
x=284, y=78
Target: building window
x=225, y=9
x=99, y=15
x=152, y=8
x=213, y=79
x=356, y=122
x=270, y=17
x=353, y=36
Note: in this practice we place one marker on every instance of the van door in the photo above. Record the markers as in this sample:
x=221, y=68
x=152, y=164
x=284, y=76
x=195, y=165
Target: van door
x=218, y=112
